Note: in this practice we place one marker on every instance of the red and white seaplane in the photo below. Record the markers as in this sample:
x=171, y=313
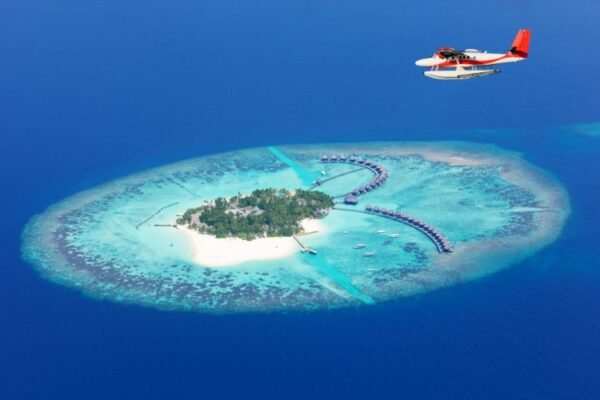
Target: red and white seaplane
x=464, y=64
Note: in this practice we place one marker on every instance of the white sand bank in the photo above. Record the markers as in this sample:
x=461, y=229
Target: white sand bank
x=209, y=251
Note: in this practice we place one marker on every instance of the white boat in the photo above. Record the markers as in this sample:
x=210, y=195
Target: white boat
x=359, y=246
x=369, y=254
x=395, y=235
x=323, y=173
x=381, y=231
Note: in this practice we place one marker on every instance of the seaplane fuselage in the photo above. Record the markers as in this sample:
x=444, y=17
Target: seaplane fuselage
x=448, y=63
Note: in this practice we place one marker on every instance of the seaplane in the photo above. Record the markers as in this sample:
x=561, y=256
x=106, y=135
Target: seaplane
x=451, y=64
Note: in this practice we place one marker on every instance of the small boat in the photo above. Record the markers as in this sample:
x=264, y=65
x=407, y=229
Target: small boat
x=359, y=246
x=370, y=269
x=323, y=173
x=369, y=254
x=387, y=242
x=395, y=235
x=312, y=251
x=381, y=231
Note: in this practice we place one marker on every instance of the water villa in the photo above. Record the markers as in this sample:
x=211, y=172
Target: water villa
x=441, y=242
x=380, y=174
x=351, y=200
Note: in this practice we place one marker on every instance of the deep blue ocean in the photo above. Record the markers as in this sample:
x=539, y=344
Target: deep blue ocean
x=93, y=90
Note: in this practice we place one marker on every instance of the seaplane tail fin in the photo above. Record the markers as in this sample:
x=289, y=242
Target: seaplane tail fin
x=520, y=46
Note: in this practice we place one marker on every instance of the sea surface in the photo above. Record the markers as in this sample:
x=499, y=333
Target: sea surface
x=93, y=91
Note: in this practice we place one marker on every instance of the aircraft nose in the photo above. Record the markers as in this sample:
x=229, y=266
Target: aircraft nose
x=427, y=62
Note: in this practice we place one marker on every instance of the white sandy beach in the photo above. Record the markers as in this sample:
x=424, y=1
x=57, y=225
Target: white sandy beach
x=209, y=251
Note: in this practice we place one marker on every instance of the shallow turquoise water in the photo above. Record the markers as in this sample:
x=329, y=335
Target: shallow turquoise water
x=114, y=241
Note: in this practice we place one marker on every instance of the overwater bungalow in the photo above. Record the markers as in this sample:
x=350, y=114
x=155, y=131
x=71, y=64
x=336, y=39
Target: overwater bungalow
x=351, y=200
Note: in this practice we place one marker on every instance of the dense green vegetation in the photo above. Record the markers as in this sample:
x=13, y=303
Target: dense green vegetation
x=265, y=212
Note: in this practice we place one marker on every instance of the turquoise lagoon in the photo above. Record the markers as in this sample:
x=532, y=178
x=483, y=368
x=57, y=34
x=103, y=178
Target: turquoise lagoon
x=113, y=241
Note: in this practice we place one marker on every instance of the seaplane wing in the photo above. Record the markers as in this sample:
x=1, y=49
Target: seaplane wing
x=451, y=64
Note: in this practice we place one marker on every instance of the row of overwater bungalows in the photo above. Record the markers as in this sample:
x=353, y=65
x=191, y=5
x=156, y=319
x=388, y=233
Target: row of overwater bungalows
x=436, y=236
x=381, y=174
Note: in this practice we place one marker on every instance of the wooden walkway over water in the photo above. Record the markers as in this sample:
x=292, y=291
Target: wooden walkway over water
x=441, y=242
x=380, y=176
x=305, y=249
x=319, y=182
x=155, y=214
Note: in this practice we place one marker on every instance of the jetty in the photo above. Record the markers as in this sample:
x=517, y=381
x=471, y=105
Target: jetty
x=442, y=243
x=380, y=175
x=155, y=214
x=305, y=249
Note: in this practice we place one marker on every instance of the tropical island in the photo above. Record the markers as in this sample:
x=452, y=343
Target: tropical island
x=148, y=239
x=263, y=213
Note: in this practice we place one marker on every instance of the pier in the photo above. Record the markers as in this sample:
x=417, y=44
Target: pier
x=155, y=214
x=441, y=242
x=319, y=182
x=380, y=174
x=305, y=249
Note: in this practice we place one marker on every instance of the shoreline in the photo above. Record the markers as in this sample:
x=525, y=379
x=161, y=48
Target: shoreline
x=210, y=251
